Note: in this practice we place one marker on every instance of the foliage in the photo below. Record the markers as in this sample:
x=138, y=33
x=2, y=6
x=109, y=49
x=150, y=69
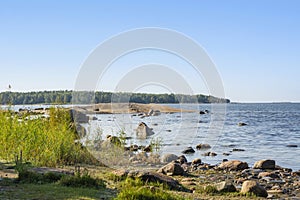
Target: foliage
x=86, y=97
x=82, y=180
x=45, y=142
x=136, y=189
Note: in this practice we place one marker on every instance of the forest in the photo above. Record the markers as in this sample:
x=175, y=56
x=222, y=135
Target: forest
x=87, y=97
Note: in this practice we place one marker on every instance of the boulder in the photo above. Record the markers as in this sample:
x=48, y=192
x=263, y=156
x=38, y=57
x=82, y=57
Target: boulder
x=143, y=131
x=196, y=161
x=182, y=159
x=253, y=187
x=203, y=146
x=233, y=165
x=171, y=169
x=225, y=186
x=155, y=178
x=78, y=117
x=188, y=150
x=168, y=158
x=268, y=174
x=264, y=164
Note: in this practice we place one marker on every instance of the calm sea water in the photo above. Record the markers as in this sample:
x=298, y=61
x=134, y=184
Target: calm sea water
x=271, y=127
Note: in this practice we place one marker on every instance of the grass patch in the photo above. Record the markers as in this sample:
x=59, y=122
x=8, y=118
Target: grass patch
x=42, y=141
x=136, y=190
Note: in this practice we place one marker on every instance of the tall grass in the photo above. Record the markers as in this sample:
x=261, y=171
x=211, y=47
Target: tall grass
x=42, y=141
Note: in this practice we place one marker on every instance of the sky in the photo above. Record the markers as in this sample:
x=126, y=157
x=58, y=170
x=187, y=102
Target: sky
x=254, y=44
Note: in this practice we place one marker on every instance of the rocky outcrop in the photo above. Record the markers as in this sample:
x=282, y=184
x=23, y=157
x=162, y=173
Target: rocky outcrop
x=252, y=186
x=233, y=165
x=264, y=164
x=143, y=131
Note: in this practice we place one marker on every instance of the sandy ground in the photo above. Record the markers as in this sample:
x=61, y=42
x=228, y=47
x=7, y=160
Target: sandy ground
x=118, y=108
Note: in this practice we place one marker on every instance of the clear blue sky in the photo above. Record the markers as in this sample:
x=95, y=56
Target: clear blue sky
x=254, y=44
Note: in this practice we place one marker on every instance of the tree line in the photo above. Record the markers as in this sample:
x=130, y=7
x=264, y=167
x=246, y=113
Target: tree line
x=86, y=97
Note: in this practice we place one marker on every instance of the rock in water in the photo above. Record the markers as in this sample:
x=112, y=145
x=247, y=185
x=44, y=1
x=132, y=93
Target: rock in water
x=203, y=146
x=232, y=165
x=143, y=131
x=225, y=186
x=188, y=150
x=264, y=164
x=242, y=124
x=255, y=188
x=168, y=158
x=171, y=169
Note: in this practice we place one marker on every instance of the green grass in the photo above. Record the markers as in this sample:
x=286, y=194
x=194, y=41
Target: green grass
x=52, y=191
x=136, y=189
x=43, y=142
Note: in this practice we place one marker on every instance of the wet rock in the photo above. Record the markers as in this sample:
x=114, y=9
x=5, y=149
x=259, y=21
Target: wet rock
x=264, y=164
x=171, y=169
x=203, y=146
x=242, y=124
x=226, y=154
x=168, y=158
x=182, y=159
x=292, y=145
x=201, y=112
x=238, y=149
x=225, y=186
x=233, y=165
x=188, y=150
x=143, y=131
x=253, y=187
x=196, y=161
x=210, y=154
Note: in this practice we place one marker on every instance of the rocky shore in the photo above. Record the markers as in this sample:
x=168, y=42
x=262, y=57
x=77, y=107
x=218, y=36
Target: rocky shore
x=264, y=179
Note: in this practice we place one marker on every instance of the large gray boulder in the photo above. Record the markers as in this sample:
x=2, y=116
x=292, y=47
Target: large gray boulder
x=233, y=165
x=225, y=186
x=255, y=188
x=143, y=131
x=264, y=164
x=168, y=158
x=171, y=169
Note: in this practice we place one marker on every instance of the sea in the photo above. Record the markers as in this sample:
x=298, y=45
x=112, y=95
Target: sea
x=272, y=131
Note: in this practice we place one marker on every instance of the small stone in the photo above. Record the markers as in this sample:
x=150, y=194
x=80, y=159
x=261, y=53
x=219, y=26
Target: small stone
x=292, y=145
x=238, y=149
x=242, y=124
x=255, y=188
